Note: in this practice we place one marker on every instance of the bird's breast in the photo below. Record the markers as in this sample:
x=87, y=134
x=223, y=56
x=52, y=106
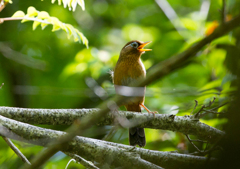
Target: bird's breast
x=126, y=73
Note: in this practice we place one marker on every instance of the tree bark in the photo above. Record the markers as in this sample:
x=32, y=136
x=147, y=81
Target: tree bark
x=183, y=124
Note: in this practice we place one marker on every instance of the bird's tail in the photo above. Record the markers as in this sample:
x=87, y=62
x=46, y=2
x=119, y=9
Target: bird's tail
x=136, y=135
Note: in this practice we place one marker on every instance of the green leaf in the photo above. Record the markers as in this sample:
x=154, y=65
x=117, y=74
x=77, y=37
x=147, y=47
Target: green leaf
x=44, y=25
x=68, y=26
x=56, y=24
x=84, y=39
x=9, y=1
x=18, y=14
x=69, y=3
x=81, y=3
x=65, y=2
x=35, y=24
x=44, y=19
x=43, y=15
x=32, y=12
x=72, y=4
x=55, y=28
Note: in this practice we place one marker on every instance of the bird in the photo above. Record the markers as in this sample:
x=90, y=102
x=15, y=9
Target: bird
x=129, y=69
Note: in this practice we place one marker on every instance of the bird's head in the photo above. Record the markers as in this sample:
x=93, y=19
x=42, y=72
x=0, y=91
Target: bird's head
x=134, y=49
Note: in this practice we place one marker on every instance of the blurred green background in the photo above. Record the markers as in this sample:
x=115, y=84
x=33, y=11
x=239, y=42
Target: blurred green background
x=44, y=69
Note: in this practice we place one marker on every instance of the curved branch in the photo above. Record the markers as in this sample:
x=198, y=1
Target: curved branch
x=183, y=124
x=103, y=151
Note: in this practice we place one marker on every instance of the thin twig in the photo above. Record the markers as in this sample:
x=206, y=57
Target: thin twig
x=1, y=85
x=85, y=163
x=21, y=18
x=219, y=106
x=16, y=150
x=211, y=102
x=197, y=114
x=110, y=134
x=196, y=104
x=212, y=110
x=201, y=152
x=214, y=147
x=209, y=151
x=197, y=140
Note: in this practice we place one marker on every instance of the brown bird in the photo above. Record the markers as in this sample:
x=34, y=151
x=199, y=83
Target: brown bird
x=130, y=68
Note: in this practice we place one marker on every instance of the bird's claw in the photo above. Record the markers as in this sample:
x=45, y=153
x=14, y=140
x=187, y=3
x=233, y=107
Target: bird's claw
x=155, y=112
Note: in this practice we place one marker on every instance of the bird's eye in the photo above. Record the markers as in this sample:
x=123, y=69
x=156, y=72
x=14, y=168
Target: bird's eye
x=134, y=44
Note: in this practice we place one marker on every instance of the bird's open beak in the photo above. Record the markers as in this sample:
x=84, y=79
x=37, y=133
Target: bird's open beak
x=140, y=48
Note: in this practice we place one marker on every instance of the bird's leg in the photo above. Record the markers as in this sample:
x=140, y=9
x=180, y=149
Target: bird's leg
x=148, y=109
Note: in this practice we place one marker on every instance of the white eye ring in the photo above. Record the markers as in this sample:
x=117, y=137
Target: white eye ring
x=134, y=44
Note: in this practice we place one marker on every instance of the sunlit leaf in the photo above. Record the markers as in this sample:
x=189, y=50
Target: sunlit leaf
x=81, y=3
x=71, y=3
x=35, y=24
x=44, y=19
x=65, y=2
x=9, y=1
x=43, y=15
x=212, y=84
x=44, y=25
x=74, y=5
x=56, y=24
x=63, y=27
x=32, y=12
x=18, y=14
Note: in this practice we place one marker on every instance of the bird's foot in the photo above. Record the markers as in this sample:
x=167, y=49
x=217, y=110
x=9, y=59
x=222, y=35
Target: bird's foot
x=155, y=112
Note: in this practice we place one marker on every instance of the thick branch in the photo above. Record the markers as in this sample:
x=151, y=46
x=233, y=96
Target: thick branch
x=182, y=124
x=103, y=151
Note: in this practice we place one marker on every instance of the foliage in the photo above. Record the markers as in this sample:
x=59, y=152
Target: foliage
x=72, y=4
x=71, y=75
x=42, y=18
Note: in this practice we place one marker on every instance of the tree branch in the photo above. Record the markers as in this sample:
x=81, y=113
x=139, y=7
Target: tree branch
x=21, y=18
x=163, y=68
x=183, y=124
x=103, y=151
x=16, y=150
x=223, y=11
